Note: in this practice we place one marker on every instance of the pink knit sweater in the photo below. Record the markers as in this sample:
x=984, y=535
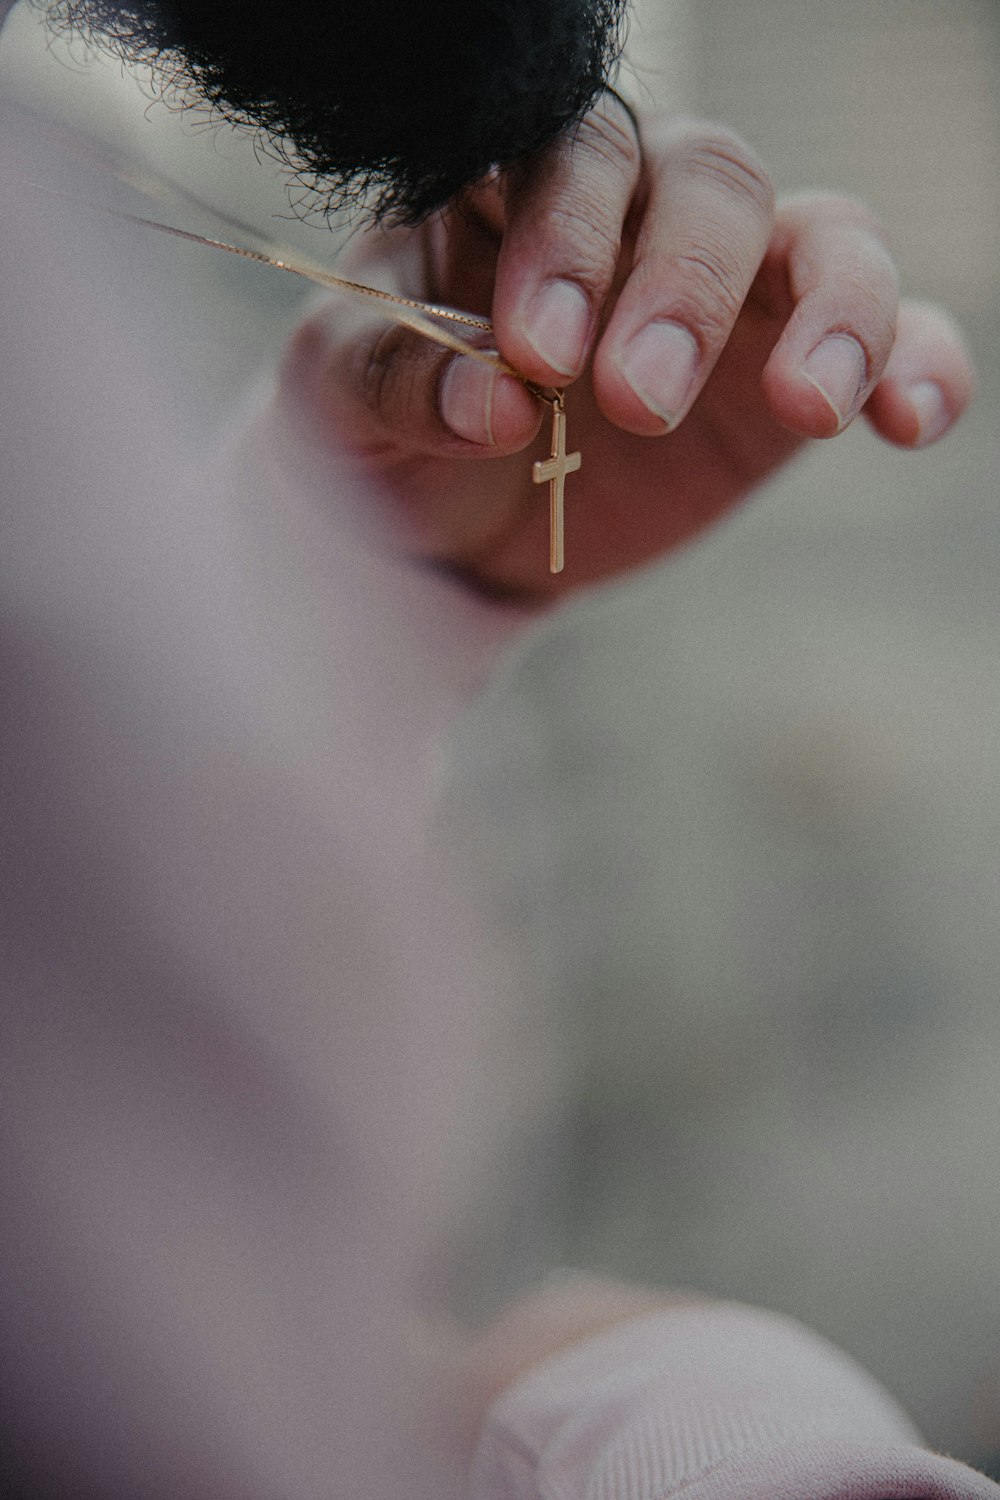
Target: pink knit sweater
x=709, y=1402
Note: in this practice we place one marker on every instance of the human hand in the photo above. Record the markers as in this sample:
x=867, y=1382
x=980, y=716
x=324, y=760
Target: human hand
x=703, y=333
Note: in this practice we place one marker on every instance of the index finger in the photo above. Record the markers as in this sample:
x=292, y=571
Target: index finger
x=564, y=216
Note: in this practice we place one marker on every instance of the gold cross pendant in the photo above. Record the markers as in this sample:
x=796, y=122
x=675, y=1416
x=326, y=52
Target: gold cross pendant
x=554, y=470
x=412, y=313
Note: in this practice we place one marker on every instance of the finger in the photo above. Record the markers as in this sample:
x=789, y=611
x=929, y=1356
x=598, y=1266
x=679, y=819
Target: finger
x=385, y=390
x=830, y=254
x=462, y=244
x=705, y=225
x=561, y=244
x=928, y=381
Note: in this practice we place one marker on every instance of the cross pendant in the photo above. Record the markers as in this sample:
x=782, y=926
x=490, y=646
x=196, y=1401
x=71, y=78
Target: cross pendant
x=554, y=470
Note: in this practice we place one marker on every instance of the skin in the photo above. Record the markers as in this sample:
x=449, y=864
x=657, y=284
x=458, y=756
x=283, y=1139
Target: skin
x=789, y=311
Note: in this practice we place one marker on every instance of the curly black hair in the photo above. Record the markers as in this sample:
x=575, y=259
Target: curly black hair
x=399, y=103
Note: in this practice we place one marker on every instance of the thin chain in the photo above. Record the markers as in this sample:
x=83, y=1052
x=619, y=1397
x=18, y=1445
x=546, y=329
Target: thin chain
x=327, y=278
x=418, y=315
x=410, y=312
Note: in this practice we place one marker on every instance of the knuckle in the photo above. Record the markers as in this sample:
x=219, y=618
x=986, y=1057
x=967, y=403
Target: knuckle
x=840, y=209
x=874, y=286
x=865, y=279
x=608, y=133
x=716, y=283
x=724, y=159
x=583, y=236
x=879, y=266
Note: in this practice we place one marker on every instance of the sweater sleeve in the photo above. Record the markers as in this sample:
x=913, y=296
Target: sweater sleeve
x=712, y=1402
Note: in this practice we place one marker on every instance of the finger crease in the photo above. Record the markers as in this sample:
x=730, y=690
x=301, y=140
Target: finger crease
x=736, y=174
x=723, y=274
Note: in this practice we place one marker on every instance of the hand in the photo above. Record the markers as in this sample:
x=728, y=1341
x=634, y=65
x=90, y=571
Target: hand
x=703, y=333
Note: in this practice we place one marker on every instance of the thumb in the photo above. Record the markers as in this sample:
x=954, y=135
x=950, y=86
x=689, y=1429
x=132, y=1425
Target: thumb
x=384, y=391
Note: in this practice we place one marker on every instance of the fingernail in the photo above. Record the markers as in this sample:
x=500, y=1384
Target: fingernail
x=465, y=399
x=557, y=326
x=660, y=364
x=837, y=368
x=927, y=399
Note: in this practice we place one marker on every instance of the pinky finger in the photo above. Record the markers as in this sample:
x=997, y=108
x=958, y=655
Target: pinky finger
x=928, y=381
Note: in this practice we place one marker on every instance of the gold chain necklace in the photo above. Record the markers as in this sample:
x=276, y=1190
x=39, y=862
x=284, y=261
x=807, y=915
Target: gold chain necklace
x=420, y=316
